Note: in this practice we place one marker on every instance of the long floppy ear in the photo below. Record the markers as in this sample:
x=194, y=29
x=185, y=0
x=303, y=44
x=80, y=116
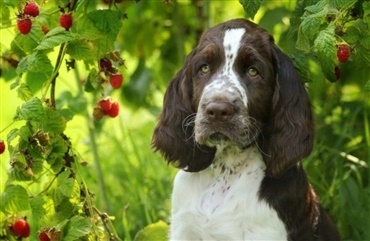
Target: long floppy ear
x=290, y=132
x=175, y=141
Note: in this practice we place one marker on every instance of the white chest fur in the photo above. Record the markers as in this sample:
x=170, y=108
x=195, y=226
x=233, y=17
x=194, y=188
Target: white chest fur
x=221, y=202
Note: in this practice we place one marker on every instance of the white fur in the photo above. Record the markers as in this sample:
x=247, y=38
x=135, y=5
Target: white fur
x=221, y=202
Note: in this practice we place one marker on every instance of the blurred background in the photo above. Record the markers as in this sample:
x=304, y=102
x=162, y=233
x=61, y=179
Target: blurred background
x=132, y=183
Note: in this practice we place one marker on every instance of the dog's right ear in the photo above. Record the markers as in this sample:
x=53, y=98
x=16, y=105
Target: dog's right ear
x=171, y=138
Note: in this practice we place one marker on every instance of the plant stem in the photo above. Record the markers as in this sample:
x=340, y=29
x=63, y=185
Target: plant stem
x=94, y=147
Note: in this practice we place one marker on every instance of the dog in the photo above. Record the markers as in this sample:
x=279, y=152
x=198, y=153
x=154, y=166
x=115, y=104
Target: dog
x=237, y=121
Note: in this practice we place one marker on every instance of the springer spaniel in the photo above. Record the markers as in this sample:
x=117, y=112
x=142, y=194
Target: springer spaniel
x=237, y=120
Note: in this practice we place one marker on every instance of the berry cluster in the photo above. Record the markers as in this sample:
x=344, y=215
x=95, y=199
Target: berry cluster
x=24, y=23
x=106, y=107
x=31, y=10
x=343, y=53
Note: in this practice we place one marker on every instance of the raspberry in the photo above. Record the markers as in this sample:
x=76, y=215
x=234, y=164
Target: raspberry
x=343, y=53
x=65, y=20
x=116, y=80
x=105, y=104
x=21, y=228
x=2, y=146
x=43, y=236
x=31, y=9
x=114, y=110
x=338, y=72
x=105, y=64
x=24, y=25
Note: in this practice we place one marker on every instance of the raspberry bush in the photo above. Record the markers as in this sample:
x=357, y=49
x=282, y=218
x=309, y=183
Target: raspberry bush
x=47, y=183
x=40, y=151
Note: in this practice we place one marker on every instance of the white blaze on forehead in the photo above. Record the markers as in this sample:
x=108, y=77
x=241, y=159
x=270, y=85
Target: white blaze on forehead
x=226, y=82
x=231, y=45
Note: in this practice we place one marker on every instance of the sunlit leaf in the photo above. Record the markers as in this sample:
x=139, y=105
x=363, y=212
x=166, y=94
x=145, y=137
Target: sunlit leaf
x=14, y=199
x=78, y=227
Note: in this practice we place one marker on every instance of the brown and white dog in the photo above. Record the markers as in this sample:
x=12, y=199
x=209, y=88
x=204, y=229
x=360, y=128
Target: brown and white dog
x=237, y=120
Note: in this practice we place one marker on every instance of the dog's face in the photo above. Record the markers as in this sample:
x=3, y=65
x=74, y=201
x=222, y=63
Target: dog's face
x=235, y=88
x=233, y=80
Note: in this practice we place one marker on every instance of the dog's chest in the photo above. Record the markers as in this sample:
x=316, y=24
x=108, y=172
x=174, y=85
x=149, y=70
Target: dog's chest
x=223, y=204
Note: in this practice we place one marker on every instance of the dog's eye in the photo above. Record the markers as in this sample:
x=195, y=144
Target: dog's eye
x=205, y=68
x=252, y=72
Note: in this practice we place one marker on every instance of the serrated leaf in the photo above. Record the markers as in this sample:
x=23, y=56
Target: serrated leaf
x=36, y=62
x=51, y=41
x=54, y=122
x=26, y=43
x=24, y=92
x=14, y=199
x=81, y=50
x=311, y=23
x=251, y=6
x=303, y=43
x=300, y=62
x=32, y=110
x=12, y=135
x=68, y=186
x=37, y=207
x=78, y=227
x=107, y=21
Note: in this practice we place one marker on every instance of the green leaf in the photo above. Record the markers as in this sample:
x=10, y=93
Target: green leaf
x=54, y=122
x=326, y=51
x=57, y=37
x=37, y=207
x=366, y=7
x=65, y=183
x=24, y=92
x=36, y=62
x=26, y=43
x=251, y=6
x=311, y=24
x=303, y=43
x=107, y=21
x=81, y=50
x=78, y=227
x=14, y=199
x=155, y=231
x=32, y=110
x=300, y=62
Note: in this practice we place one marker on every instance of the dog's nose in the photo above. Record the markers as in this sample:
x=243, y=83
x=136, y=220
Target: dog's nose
x=219, y=111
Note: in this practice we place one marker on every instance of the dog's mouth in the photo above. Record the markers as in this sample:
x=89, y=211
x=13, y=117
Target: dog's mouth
x=218, y=137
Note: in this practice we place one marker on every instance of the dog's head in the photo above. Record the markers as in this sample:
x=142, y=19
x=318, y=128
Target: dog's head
x=235, y=88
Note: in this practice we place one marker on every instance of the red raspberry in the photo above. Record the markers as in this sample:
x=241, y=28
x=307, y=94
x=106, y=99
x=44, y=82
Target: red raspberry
x=24, y=25
x=43, y=236
x=338, y=72
x=2, y=146
x=114, y=110
x=31, y=9
x=105, y=64
x=343, y=53
x=66, y=20
x=21, y=228
x=105, y=104
x=116, y=80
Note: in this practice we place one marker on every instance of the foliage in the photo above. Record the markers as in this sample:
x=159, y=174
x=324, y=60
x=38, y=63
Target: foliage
x=51, y=178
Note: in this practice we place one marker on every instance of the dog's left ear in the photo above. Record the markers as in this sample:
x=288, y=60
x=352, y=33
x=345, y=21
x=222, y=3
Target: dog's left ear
x=290, y=133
